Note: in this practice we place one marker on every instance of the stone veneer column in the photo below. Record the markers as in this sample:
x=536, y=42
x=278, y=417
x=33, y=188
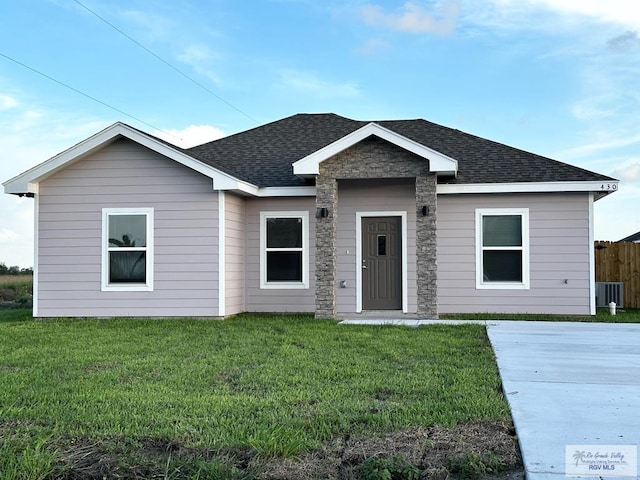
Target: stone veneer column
x=326, y=255
x=426, y=247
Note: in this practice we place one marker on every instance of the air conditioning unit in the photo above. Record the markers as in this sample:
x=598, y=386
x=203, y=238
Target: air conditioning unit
x=607, y=292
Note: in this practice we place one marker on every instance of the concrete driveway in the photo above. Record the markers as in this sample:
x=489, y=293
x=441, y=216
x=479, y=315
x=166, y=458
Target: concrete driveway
x=569, y=384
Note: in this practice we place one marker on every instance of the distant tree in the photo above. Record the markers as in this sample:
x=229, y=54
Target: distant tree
x=14, y=270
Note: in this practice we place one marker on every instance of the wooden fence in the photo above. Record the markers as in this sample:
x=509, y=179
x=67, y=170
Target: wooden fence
x=620, y=262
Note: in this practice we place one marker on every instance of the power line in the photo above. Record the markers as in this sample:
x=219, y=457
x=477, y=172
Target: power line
x=73, y=89
x=158, y=57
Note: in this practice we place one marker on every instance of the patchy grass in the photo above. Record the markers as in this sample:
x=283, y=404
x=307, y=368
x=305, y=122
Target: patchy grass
x=240, y=398
x=16, y=291
x=629, y=315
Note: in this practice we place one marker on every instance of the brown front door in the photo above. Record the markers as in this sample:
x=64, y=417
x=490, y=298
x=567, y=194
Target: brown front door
x=381, y=263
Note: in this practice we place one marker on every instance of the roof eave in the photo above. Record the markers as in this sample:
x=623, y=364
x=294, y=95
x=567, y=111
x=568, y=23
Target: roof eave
x=599, y=187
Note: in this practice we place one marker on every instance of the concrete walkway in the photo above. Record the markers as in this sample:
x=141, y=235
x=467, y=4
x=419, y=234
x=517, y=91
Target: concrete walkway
x=569, y=384
x=406, y=322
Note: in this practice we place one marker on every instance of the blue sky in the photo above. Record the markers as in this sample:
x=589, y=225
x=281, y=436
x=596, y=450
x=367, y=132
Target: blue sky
x=556, y=77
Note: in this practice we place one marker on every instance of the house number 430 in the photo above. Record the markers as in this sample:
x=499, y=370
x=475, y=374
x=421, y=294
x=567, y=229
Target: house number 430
x=609, y=186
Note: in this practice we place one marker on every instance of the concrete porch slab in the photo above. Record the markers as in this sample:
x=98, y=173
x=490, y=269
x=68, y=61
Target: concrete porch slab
x=407, y=322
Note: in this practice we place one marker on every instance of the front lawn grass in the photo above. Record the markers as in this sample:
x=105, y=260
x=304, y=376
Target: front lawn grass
x=627, y=315
x=136, y=392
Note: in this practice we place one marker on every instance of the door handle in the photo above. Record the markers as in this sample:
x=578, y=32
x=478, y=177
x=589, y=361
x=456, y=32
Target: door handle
x=364, y=266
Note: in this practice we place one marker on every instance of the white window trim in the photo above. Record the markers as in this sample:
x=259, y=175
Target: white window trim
x=304, y=215
x=124, y=287
x=480, y=283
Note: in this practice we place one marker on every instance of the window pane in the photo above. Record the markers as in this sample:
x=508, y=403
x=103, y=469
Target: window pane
x=127, y=230
x=284, y=266
x=382, y=245
x=502, y=266
x=284, y=232
x=502, y=230
x=127, y=267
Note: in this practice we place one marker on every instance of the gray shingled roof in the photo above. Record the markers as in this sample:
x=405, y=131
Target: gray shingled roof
x=635, y=237
x=264, y=155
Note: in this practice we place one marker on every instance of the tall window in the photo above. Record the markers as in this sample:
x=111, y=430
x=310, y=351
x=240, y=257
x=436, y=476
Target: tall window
x=502, y=248
x=284, y=256
x=127, y=249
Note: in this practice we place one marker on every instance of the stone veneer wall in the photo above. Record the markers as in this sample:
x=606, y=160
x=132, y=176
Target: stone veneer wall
x=375, y=158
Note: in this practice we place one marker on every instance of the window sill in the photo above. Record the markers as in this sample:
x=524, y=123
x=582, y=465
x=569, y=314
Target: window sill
x=127, y=288
x=284, y=286
x=502, y=286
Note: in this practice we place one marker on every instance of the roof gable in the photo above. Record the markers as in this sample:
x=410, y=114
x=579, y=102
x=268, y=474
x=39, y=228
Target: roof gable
x=438, y=163
x=27, y=182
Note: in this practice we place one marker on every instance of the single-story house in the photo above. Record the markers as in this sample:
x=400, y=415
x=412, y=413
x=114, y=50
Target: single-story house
x=312, y=213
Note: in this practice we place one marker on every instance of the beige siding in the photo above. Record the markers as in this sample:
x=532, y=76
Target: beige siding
x=391, y=195
x=276, y=300
x=125, y=174
x=234, y=254
x=559, y=251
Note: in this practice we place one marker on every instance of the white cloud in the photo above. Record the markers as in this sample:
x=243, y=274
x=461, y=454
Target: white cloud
x=592, y=109
x=7, y=236
x=629, y=171
x=414, y=18
x=7, y=102
x=556, y=19
x=194, y=54
x=150, y=27
x=621, y=12
x=605, y=144
x=526, y=13
x=372, y=46
x=311, y=84
x=200, y=58
x=190, y=136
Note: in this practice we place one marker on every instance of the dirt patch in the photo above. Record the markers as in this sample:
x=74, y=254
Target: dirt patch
x=479, y=450
x=473, y=450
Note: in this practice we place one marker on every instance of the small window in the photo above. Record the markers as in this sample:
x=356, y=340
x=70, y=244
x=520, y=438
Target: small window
x=127, y=252
x=382, y=245
x=502, y=248
x=284, y=249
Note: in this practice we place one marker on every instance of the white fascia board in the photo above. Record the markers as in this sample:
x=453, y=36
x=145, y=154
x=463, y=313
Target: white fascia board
x=227, y=182
x=27, y=182
x=528, y=187
x=438, y=162
x=307, y=191
x=444, y=189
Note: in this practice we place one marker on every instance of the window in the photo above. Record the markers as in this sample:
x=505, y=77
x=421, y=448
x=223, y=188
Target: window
x=127, y=249
x=502, y=248
x=284, y=250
